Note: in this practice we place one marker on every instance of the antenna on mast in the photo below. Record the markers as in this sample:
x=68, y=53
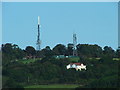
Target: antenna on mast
x=74, y=44
x=38, y=37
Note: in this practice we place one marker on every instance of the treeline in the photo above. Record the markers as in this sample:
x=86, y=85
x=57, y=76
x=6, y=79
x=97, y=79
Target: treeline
x=12, y=51
x=49, y=70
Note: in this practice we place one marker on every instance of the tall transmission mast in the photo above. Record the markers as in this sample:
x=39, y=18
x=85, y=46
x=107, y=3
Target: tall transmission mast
x=38, y=37
x=74, y=45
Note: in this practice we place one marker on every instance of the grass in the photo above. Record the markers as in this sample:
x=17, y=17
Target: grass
x=75, y=59
x=100, y=58
x=27, y=61
x=116, y=58
x=94, y=58
x=54, y=86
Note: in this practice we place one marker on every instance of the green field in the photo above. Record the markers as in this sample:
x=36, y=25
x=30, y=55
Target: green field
x=27, y=61
x=53, y=86
x=75, y=59
x=116, y=58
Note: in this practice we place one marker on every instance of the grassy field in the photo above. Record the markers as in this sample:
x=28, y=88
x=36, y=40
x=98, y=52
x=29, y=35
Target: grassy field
x=75, y=59
x=27, y=61
x=53, y=86
x=116, y=58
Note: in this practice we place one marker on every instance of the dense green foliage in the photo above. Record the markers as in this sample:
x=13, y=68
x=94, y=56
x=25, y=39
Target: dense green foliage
x=48, y=70
x=71, y=86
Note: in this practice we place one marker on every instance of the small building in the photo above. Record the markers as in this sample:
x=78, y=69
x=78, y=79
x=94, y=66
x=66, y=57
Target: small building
x=77, y=66
x=59, y=56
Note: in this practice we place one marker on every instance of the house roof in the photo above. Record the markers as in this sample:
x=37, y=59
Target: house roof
x=75, y=63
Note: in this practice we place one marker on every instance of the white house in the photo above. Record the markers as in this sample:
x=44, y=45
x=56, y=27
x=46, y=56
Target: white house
x=77, y=66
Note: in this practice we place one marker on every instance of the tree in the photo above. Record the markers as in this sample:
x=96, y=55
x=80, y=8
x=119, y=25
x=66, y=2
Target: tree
x=118, y=52
x=86, y=50
x=70, y=49
x=10, y=83
x=11, y=52
x=30, y=51
x=108, y=51
x=59, y=49
x=19, y=53
x=45, y=52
